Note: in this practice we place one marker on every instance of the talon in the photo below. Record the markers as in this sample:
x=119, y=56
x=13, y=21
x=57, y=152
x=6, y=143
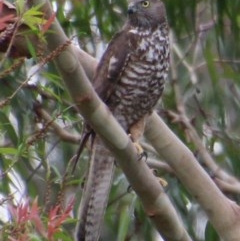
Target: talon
x=143, y=155
x=161, y=180
x=155, y=172
x=129, y=189
x=138, y=147
x=115, y=163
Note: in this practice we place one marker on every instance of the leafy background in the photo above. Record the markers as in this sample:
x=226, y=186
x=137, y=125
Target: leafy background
x=204, y=81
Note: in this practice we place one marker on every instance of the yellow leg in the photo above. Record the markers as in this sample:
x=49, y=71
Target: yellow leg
x=136, y=132
x=140, y=151
x=161, y=180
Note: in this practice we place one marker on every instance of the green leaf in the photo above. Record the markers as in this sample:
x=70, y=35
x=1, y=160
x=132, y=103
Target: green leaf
x=210, y=233
x=7, y=128
x=34, y=237
x=33, y=18
x=20, y=4
x=62, y=236
x=124, y=222
x=31, y=48
x=8, y=150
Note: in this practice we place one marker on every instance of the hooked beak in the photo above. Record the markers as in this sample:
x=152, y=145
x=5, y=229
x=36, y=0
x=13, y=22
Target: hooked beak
x=131, y=9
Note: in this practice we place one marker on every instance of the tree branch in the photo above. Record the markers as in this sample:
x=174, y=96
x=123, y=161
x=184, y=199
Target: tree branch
x=181, y=117
x=156, y=203
x=58, y=130
x=222, y=212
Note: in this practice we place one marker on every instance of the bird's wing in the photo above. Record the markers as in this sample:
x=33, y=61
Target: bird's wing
x=108, y=72
x=112, y=64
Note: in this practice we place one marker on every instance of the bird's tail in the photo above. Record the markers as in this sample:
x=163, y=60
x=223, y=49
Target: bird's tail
x=96, y=192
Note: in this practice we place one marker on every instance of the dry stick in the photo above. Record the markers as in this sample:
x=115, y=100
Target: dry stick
x=207, y=158
x=155, y=202
x=217, y=171
x=223, y=213
x=59, y=131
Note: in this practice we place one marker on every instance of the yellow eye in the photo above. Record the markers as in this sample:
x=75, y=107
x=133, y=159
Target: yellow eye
x=145, y=4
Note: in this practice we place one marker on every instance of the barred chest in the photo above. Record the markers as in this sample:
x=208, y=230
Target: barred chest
x=142, y=81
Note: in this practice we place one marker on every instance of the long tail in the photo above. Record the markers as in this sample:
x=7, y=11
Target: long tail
x=96, y=191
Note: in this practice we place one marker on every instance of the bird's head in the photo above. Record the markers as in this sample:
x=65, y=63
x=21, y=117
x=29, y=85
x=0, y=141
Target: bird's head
x=146, y=13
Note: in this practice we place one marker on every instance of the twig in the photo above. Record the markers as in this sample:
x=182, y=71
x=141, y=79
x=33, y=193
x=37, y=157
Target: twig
x=60, y=132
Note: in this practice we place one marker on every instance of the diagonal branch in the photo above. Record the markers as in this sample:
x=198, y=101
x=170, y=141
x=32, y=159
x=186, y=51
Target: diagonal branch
x=156, y=203
x=222, y=212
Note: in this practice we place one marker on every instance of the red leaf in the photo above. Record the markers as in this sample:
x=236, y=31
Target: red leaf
x=35, y=217
x=56, y=218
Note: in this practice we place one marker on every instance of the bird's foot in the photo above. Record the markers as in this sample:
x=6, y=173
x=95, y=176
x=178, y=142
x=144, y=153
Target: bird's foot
x=161, y=180
x=141, y=153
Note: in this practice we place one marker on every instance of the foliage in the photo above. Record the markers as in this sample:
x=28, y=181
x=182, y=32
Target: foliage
x=28, y=224
x=34, y=107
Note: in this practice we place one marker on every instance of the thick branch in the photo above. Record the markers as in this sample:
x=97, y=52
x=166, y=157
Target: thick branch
x=155, y=201
x=223, y=213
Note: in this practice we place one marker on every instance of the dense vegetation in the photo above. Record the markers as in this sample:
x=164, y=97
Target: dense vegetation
x=40, y=127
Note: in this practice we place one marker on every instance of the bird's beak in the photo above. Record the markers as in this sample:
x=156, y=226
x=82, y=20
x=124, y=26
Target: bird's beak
x=131, y=9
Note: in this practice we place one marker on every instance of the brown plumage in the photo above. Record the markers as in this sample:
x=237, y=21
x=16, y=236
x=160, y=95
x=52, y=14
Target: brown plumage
x=130, y=80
